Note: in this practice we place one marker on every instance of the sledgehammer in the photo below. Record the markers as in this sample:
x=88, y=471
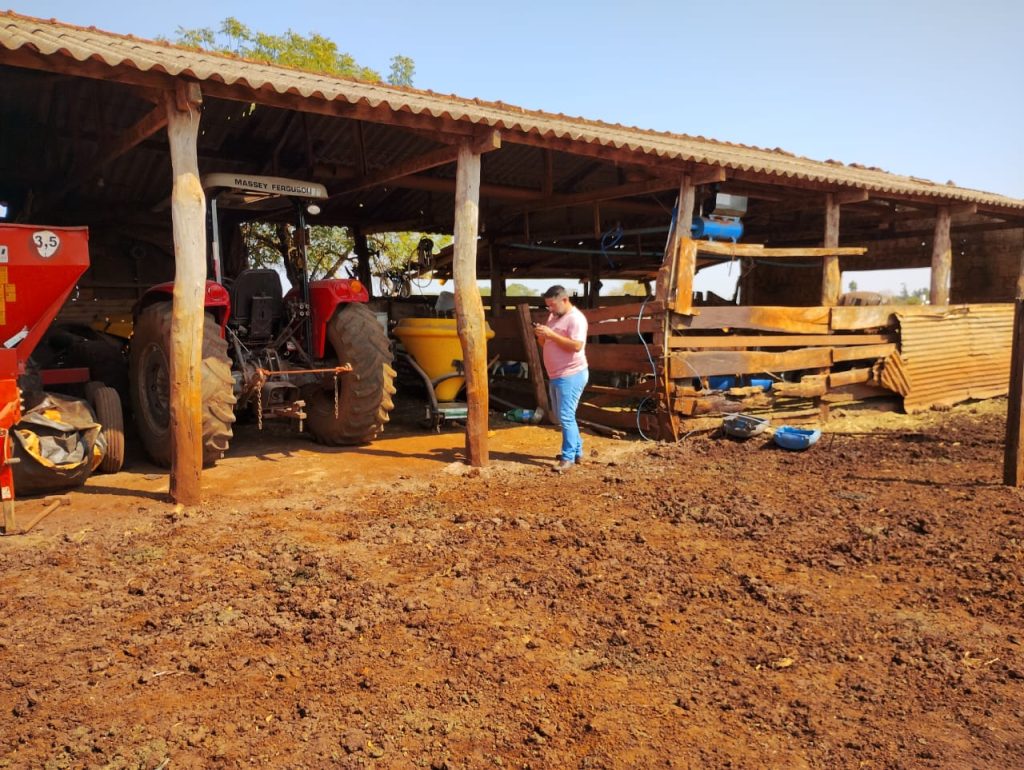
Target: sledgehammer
x=53, y=503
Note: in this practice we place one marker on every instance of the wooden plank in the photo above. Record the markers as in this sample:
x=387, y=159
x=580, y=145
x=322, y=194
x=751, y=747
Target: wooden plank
x=188, y=215
x=854, y=317
x=686, y=269
x=831, y=285
x=706, y=341
x=757, y=251
x=623, y=419
x=707, y=363
x=801, y=320
x=858, y=391
x=628, y=326
x=628, y=310
x=811, y=386
x=942, y=259
x=533, y=360
x=469, y=308
x=862, y=352
x=838, y=379
x=618, y=358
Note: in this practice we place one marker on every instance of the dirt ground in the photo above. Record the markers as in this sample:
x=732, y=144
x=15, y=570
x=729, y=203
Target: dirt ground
x=710, y=604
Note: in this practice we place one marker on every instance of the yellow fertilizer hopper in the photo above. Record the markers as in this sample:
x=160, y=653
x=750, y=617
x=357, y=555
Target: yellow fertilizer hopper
x=434, y=352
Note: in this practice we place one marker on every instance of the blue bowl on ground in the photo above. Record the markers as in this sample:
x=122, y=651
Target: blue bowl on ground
x=796, y=439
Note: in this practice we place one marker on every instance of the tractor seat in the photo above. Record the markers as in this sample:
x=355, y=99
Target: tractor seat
x=256, y=302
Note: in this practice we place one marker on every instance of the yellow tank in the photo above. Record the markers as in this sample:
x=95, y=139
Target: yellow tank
x=434, y=345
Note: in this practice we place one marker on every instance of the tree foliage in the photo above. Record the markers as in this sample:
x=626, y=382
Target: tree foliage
x=312, y=52
x=330, y=251
x=520, y=290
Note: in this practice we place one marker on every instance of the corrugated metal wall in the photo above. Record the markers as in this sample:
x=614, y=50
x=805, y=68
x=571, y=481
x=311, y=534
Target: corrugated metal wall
x=953, y=357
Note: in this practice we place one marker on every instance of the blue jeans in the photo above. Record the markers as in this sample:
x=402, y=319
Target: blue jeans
x=565, y=394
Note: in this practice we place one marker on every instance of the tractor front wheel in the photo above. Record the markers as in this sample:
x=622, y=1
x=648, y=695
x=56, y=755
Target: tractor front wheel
x=149, y=366
x=364, y=394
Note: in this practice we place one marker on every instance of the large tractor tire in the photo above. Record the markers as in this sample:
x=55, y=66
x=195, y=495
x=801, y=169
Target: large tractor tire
x=364, y=394
x=149, y=366
x=107, y=405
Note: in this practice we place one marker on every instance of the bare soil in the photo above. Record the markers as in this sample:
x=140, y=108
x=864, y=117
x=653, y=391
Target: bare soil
x=710, y=604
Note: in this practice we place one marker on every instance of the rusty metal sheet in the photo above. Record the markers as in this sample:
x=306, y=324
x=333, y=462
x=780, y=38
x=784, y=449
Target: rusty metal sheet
x=90, y=45
x=951, y=358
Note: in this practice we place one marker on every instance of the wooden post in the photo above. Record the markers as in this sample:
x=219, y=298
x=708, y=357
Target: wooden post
x=942, y=259
x=1013, y=461
x=188, y=219
x=362, y=249
x=668, y=422
x=831, y=279
x=594, y=283
x=497, y=282
x=533, y=361
x=469, y=308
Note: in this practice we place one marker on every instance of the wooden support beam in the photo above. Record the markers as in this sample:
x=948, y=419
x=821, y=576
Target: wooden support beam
x=497, y=281
x=144, y=128
x=594, y=282
x=831, y=283
x=533, y=360
x=469, y=308
x=708, y=175
x=851, y=196
x=685, y=247
x=942, y=259
x=1013, y=457
x=756, y=250
x=608, y=193
x=442, y=156
x=188, y=215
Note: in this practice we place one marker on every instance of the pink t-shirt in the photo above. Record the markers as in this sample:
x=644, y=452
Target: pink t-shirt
x=558, y=361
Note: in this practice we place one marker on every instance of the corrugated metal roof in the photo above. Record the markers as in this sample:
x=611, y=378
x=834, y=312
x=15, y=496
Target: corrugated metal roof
x=53, y=38
x=951, y=357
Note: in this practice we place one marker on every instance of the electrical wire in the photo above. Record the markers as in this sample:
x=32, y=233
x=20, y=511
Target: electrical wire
x=610, y=240
x=654, y=369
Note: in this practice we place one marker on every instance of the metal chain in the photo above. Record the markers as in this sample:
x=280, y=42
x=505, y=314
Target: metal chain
x=259, y=400
x=335, y=396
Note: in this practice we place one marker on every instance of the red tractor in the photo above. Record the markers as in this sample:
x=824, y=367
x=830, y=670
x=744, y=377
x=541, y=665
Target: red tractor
x=316, y=354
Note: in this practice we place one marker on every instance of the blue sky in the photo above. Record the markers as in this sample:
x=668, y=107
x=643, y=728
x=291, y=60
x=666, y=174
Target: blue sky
x=930, y=89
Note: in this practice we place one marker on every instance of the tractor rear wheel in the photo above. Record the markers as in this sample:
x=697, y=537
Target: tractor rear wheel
x=149, y=365
x=364, y=394
x=107, y=405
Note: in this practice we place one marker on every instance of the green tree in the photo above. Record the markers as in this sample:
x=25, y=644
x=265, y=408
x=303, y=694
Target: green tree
x=519, y=290
x=916, y=297
x=329, y=247
x=853, y=286
x=312, y=52
x=402, y=70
